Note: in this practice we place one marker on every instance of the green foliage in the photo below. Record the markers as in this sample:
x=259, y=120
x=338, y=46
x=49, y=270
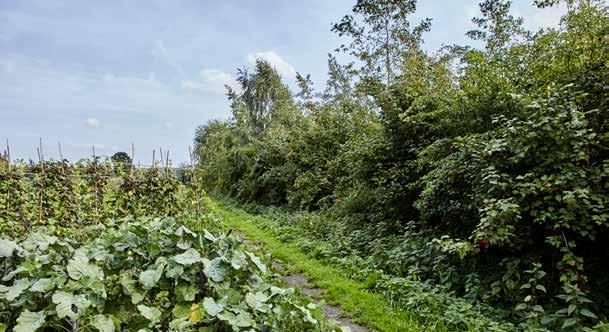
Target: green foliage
x=380, y=35
x=13, y=195
x=121, y=158
x=481, y=169
x=142, y=273
x=432, y=306
x=85, y=193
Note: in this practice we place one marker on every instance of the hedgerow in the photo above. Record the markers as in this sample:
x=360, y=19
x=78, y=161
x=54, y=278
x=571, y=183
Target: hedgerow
x=465, y=167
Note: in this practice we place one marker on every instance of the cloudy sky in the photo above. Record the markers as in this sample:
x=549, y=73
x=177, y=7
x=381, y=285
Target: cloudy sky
x=109, y=73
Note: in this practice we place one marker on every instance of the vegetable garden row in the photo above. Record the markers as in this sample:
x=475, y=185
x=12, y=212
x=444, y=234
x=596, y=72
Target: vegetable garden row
x=101, y=246
x=87, y=192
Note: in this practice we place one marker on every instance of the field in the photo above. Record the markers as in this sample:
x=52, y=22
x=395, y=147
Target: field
x=108, y=247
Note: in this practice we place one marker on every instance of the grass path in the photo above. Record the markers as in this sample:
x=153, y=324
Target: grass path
x=362, y=306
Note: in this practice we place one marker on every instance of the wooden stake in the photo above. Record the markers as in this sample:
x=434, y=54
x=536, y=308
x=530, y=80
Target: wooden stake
x=8, y=155
x=60, y=154
x=195, y=185
x=41, y=153
x=95, y=190
x=41, y=161
x=132, y=159
x=63, y=169
x=162, y=162
x=8, y=167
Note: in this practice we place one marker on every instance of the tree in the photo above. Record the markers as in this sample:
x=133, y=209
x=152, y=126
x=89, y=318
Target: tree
x=262, y=94
x=380, y=34
x=122, y=158
x=497, y=28
x=305, y=94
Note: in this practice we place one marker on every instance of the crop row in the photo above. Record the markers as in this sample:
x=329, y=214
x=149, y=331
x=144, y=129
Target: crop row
x=85, y=193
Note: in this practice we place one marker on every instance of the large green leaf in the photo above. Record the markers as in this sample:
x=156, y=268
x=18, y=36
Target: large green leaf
x=30, y=321
x=103, y=323
x=186, y=292
x=257, y=261
x=17, y=288
x=79, y=267
x=43, y=241
x=211, y=307
x=257, y=301
x=189, y=257
x=209, y=236
x=66, y=303
x=130, y=288
x=184, y=230
x=43, y=285
x=63, y=300
x=7, y=247
x=243, y=319
x=181, y=325
x=150, y=278
x=174, y=270
x=238, y=260
x=150, y=313
x=181, y=311
x=216, y=269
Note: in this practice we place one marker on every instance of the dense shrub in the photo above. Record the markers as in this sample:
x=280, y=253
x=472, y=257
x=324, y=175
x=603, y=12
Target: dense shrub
x=481, y=169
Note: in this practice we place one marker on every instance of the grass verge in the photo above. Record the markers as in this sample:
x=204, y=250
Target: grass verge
x=364, y=307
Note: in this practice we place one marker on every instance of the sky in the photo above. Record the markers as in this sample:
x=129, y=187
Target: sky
x=106, y=74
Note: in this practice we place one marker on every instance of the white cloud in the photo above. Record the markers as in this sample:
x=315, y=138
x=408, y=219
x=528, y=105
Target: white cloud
x=210, y=81
x=92, y=123
x=161, y=52
x=283, y=67
x=127, y=108
x=70, y=90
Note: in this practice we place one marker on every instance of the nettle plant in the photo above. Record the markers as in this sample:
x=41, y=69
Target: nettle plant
x=144, y=274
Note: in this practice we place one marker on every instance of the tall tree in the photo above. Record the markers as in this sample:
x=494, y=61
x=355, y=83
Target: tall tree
x=380, y=33
x=122, y=158
x=496, y=27
x=306, y=94
x=262, y=95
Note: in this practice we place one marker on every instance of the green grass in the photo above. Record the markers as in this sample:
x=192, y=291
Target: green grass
x=363, y=307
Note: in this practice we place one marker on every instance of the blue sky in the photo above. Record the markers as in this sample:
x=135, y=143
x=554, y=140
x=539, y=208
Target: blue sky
x=109, y=73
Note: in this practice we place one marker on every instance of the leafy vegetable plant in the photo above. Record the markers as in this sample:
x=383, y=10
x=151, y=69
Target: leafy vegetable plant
x=142, y=274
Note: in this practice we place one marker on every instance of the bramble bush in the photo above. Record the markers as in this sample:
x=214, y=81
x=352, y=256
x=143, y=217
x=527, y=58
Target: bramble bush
x=482, y=169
